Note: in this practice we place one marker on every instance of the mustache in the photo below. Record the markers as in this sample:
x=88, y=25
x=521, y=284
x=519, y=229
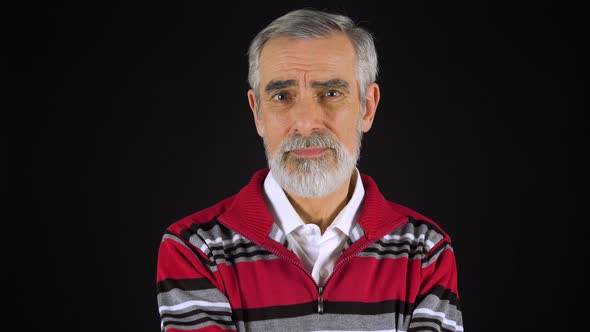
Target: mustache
x=318, y=139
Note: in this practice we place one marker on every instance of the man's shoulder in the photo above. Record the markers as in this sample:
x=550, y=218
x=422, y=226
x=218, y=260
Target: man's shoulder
x=415, y=221
x=407, y=211
x=202, y=217
x=247, y=198
x=383, y=216
x=418, y=223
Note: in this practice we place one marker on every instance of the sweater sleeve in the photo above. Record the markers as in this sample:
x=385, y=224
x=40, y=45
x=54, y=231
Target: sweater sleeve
x=438, y=307
x=189, y=296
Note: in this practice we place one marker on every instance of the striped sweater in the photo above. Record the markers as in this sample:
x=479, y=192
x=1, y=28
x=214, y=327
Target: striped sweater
x=227, y=268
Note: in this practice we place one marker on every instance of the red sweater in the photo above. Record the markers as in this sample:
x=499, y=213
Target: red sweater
x=227, y=267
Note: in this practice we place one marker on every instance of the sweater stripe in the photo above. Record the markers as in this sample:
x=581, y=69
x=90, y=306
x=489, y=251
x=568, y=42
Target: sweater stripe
x=412, y=241
x=310, y=308
x=422, y=315
x=333, y=307
x=421, y=222
x=433, y=255
x=202, y=256
x=184, y=284
x=177, y=301
x=204, y=319
x=330, y=322
x=443, y=294
x=179, y=309
x=224, y=246
x=196, y=312
x=275, y=312
x=188, y=304
x=410, y=252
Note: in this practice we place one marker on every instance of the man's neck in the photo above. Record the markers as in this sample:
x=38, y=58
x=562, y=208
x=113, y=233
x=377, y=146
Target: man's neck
x=323, y=210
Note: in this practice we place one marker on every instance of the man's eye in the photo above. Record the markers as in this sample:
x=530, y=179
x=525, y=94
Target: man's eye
x=332, y=93
x=280, y=96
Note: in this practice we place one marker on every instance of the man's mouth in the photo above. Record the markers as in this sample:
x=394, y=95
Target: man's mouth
x=312, y=152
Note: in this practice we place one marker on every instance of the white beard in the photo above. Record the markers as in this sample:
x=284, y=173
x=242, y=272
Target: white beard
x=312, y=177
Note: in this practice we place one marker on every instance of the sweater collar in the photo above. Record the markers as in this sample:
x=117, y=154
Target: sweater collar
x=249, y=215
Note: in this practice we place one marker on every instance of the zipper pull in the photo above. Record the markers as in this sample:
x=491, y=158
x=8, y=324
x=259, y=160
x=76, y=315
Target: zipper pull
x=320, y=300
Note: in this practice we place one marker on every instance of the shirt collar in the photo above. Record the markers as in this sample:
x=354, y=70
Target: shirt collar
x=287, y=218
x=348, y=216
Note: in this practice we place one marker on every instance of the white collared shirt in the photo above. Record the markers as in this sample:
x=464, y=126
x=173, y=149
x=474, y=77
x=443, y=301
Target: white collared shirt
x=318, y=252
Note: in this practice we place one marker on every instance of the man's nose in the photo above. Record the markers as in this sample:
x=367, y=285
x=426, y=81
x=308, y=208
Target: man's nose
x=307, y=116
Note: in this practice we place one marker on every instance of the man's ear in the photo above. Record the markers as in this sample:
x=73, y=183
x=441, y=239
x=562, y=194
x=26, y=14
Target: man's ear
x=252, y=103
x=373, y=96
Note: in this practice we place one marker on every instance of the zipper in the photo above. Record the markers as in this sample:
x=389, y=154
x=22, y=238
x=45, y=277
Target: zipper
x=300, y=266
x=320, y=300
x=346, y=259
x=320, y=289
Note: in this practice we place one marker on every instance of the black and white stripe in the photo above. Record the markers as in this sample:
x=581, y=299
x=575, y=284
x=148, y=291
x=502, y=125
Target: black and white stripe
x=192, y=303
x=412, y=241
x=224, y=246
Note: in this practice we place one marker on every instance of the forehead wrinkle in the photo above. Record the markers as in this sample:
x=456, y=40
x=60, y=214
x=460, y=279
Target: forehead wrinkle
x=331, y=83
x=306, y=62
x=293, y=65
x=299, y=65
x=280, y=84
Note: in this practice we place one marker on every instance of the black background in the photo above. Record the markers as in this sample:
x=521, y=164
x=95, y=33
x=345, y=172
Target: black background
x=139, y=117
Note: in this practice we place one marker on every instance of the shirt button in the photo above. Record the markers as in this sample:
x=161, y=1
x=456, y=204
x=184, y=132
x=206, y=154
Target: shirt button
x=324, y=273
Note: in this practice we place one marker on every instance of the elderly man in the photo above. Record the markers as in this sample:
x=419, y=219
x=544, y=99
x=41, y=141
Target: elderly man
x=310, y=244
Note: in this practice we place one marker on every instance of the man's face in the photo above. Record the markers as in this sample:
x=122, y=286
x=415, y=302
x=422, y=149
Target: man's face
x=309, y=86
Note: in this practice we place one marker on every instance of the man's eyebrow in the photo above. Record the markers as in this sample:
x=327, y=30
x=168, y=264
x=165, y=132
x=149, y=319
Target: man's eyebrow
x=335, y=83
x=280, y=84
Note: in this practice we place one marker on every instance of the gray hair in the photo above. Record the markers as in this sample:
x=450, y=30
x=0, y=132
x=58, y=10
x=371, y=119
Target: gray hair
x=309, y=23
